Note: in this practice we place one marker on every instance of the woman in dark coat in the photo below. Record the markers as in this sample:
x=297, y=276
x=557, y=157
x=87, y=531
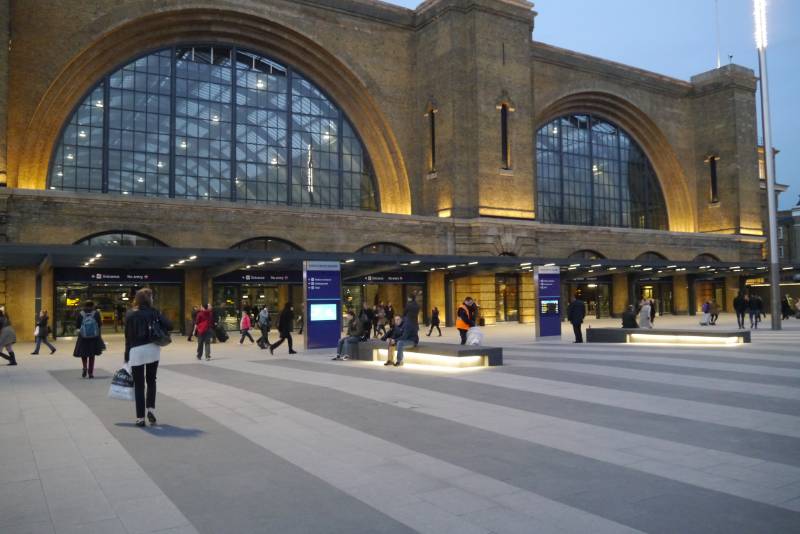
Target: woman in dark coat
x=285, y=328
x=89, y=343
x=435, y=321
x=7, y=338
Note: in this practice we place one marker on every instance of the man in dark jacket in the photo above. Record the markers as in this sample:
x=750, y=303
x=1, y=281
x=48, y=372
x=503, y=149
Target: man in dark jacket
x=391, y=337
x=285, y=328
x=576, y=311
x=407, y=337
x=740, y=307
x=629, y=318
x=411, y=319
x=355, y=335
x=366, y=317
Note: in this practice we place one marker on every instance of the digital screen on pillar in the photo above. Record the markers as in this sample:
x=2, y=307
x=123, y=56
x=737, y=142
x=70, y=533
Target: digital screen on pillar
x=322, y=312
x=549, y=306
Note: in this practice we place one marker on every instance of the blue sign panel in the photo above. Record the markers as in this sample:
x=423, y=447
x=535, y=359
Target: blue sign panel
x=548, y=299
x=120, y=276
x=260, y=277
x=390, y=278
x=322, y=284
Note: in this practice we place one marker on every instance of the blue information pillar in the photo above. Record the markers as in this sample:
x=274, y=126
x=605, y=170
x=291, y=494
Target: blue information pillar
x=322, y=289
x=548, y=296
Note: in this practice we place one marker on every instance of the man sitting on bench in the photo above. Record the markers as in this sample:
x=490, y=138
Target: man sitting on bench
x=391, y=338
x=355, y=335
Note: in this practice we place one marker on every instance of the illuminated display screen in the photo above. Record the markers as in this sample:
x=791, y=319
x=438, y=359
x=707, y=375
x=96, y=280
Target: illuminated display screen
x=549, y=306
x=322, y=312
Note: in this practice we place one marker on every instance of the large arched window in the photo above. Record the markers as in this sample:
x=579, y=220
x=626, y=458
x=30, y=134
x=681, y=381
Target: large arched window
x=120, y=239
x=213, y=123
x=590, y=172
x=267, y=244
x=384, y=248
x=651, y=256
x=586, y=255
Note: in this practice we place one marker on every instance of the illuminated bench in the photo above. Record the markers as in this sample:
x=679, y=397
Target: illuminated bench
x=434, y=354
x=710, y=336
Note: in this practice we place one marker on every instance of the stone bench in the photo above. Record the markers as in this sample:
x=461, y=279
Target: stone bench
x=443, y=354
x=709, y=336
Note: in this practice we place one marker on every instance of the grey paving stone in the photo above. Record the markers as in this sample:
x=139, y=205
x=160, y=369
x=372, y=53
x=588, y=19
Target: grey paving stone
x=221, y=481
x=40, y=527
x=22, y=503
x=608, y=491
x=761, y=445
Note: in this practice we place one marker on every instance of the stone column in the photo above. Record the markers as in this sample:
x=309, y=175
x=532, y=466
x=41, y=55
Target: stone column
x=192, y=295
x=527, y=298
x=435, y=286
x=619, y=294
x=680, y=294
x=732, y=284
x=21, y=301
x=5, y=25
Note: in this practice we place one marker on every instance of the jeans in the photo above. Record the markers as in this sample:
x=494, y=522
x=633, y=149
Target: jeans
x=204, y=342
x=402, y=344
x=264, y=339
x=144, y=375
x=755, y=318
x=245, y=333
x=39, y=341
x=344, y=345
x=740, y=319
x=576, y=327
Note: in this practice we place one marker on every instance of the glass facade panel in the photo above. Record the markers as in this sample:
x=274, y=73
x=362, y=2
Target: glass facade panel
x=590, y=172
x=214, y=123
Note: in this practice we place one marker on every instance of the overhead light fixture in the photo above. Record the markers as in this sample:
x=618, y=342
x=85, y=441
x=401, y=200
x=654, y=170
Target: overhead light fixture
x=433, y=268
x=647, y=269
x=451, y=266
x=261, y=263
x=473, y=263
x=415, y=262
x=575, y=265
x=82, y=133
x=635, y=266
x=277, y=259
x=181, y=262
x=524, y=264
x=351, y=260
x=98, y=103
x=596, y=265
x=612, y=268
x=788, y=268
x=98, y=255
x=549, y=264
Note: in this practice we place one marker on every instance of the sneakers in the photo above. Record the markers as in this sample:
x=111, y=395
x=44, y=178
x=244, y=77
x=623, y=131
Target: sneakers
x=140, y=423
x=399, y=364
x=345, y=357
x=52, y=352
x=151, y=417
x=388, y=363
x=336, y=358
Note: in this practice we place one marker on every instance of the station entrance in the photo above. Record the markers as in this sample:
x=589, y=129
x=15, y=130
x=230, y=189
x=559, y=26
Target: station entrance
x=247, y=291
x=386, y=289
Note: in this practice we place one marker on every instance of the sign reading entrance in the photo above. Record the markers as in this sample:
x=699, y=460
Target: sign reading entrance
x=322, y=288
x=548, y=296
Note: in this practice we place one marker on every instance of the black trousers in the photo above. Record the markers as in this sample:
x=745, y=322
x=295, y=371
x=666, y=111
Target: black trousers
x=264, y=339
x=144, y=375
x=436, y=326
x=740, y=318
x=576, y=327
x=288, y=338
x=246, y=333
x=463, y=334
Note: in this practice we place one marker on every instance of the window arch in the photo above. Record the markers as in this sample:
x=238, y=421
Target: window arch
x=586, y=255
x=213, y=123
x=591, y=172
x=267, y=244
x=651, y=256
x=706, y=258
x=384, y=248
x=120, y=239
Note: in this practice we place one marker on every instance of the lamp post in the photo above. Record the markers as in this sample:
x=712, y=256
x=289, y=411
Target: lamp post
x=760, y=13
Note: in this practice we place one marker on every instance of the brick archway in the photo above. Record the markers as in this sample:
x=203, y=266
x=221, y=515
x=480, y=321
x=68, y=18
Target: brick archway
x=223, y=26
x=674, y=184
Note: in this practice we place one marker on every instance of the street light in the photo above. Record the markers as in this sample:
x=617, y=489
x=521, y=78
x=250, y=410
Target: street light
x=760, y=14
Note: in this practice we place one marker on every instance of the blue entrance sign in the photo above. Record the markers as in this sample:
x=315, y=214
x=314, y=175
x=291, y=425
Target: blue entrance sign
x=322, y=288
x=548, y=297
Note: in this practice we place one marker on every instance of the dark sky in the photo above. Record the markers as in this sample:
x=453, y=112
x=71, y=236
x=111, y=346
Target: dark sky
x=677, y=38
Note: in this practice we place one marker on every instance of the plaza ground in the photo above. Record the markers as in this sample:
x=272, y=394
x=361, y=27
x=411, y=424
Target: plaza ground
x=563, y=438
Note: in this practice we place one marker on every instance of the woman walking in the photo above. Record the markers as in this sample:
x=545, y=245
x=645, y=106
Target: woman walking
x=285, y=328
x=7, y=338
x=142, y=354
x=42, y=330
x=435, y=321
x=89, y=343
x=244, y=328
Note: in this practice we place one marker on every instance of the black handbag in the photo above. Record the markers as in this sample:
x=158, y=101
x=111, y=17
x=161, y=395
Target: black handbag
x=158, y=334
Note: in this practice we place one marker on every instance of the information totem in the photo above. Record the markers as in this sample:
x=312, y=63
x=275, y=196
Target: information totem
x=547, y=281
x=322, y=289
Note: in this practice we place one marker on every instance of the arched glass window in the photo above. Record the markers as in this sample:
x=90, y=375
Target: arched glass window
x=586, y=255
x=120, y=239
x=384, y=248
x=590, y=172
x=707, y=258
x=651, y=256
x=217, y=123
x=267, y=244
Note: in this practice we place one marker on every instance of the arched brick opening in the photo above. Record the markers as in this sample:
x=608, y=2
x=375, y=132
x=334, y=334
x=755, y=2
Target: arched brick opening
x=674, y=183
x=223, y=26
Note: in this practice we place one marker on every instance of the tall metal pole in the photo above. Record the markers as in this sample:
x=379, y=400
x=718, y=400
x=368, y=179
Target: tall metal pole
x=774, y=267
x=716, y=18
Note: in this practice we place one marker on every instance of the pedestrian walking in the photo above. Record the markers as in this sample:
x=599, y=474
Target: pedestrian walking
x=142, y=354
x=366, y=317
x=90, y=341
x=435, y=322
x=713, y=311
x=41, y=332
x=756, y=311
x=652, y=312
x=465, y=318
x=7, y=338
x=740, y=305
x=263, y=325
x=285, y=328
x=204, y=329
x=411, y=318
x=244, y=328
x=576, y=312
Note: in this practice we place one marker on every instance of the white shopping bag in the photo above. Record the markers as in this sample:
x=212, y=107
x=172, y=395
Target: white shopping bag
x=474, y=336
x=121, y=386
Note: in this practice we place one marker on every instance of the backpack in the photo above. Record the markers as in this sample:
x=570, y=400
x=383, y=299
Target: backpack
x=89, y=327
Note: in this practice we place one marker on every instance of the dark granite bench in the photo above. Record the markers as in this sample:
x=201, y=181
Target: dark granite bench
x=450, y=355
x=710, y=336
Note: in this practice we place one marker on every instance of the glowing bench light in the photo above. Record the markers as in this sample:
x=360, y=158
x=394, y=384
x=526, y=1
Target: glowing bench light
x=434, y=360
x=667, y=339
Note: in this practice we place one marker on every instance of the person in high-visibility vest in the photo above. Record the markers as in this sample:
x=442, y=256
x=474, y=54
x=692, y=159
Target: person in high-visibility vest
x=465, y=318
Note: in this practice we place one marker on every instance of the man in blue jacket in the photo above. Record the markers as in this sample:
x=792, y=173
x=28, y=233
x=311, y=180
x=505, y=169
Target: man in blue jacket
x=576, y=311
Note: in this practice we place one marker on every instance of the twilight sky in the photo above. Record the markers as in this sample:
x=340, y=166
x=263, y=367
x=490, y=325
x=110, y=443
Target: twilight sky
x=677, y=38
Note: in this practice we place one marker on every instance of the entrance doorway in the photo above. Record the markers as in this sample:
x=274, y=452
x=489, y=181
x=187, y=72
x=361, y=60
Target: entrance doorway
x=708, y=290
x=506, y=297
x=231, y=301
x=659, y=292
x=596, y=295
